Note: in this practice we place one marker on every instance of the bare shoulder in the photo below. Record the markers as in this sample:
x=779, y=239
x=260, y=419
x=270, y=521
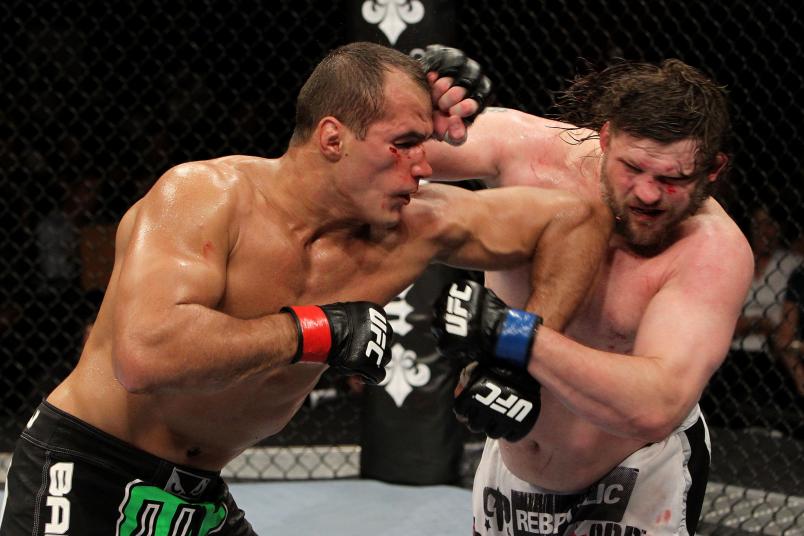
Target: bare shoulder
x=714, y=229
x=220, y=183
x=193, y=196
x=713, y=243
x=223, y=174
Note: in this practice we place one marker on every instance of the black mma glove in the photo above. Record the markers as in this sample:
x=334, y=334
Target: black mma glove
x=472, y=323
x=465, y=72
x=354, y=337
x=499, y=402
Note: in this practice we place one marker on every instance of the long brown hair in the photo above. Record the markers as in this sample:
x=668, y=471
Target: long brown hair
x=668, y=102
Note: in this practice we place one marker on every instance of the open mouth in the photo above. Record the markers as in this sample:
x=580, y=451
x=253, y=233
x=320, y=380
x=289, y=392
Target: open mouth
x=646, y=213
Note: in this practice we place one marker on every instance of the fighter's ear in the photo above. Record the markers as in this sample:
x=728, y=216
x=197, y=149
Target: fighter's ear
x=605, y=136
x=330, y=138
x=721, y=161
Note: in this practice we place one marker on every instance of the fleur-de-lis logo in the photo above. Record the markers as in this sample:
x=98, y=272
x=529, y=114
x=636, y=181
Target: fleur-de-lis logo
x=398, y=310
x=403, y=373
x=393, y=16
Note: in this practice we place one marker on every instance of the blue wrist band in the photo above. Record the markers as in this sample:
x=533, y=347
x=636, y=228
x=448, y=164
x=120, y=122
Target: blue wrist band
x=516, y=337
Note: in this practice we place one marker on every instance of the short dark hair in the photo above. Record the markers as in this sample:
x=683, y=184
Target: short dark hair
x=668, y=102
x=349, y=84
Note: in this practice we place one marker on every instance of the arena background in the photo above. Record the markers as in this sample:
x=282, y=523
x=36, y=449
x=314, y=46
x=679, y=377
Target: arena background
x=100, y=98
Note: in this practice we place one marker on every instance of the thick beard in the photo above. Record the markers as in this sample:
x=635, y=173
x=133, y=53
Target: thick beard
x=653, y=243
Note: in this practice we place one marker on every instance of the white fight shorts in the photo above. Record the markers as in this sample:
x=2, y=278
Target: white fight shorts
x=657, y=490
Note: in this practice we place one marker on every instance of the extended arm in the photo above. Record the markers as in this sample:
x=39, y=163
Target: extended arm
x=502, y=143
x=562, y=236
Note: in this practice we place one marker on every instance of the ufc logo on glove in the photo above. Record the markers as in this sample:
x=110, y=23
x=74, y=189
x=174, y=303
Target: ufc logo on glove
x=511, y=406
x=377, y=344
x=457, y=314
x=350, y=336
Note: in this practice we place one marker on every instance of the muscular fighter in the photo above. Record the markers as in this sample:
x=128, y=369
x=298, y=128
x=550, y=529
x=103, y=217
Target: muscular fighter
x=619, y=445
x=209, y=337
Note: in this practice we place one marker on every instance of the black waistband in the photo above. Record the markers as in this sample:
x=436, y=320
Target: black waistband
x=56, y=430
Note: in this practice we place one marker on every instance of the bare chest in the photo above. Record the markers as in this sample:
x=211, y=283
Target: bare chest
x=610, y=316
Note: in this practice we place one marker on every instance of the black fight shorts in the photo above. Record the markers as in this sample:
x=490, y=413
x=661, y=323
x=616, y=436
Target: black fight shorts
x=69, y=478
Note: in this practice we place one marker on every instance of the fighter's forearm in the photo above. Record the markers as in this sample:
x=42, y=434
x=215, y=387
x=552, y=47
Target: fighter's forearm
x=195, y=347
x=566, y=261
x=630, y=396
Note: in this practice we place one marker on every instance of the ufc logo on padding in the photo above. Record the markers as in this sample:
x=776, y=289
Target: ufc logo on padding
x=511, y=406
x=378, y=328
x=457, y=314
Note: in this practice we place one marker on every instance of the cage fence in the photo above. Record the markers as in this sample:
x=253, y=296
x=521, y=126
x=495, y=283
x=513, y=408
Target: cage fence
x=100, y=98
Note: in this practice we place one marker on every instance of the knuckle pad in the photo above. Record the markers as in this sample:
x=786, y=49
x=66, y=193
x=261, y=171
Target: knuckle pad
x=469, y=74
x=479, y=93
x=446, y=61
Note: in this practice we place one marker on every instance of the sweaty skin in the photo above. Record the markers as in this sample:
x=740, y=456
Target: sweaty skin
x=189, y=358
x=634, y=358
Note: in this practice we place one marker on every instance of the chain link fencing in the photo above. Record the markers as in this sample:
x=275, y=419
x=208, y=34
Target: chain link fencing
x=100, y=98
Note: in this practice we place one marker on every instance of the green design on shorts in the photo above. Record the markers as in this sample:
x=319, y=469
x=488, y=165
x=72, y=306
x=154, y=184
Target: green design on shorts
x=153, y=511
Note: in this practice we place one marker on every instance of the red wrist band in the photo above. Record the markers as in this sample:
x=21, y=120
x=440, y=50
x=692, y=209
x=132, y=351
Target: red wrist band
x=315, y=338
